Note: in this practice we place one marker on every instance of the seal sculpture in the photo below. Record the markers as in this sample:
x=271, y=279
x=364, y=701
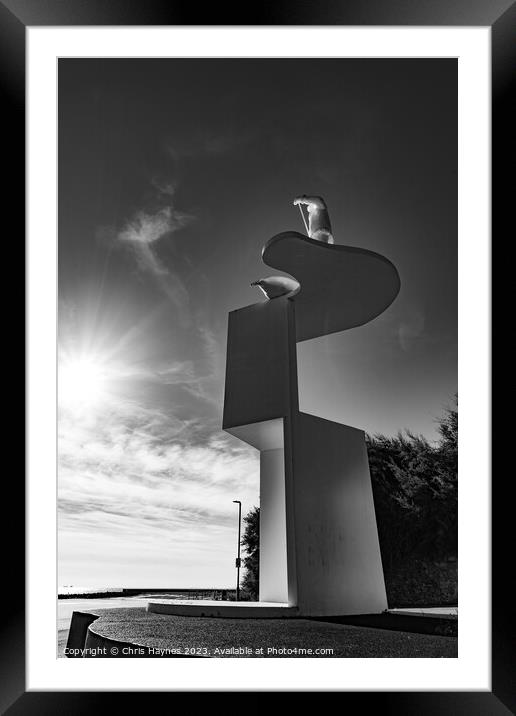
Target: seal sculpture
x=319, y=225
x=276, y=286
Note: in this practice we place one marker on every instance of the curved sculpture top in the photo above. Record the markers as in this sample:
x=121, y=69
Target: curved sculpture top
x=341, y=286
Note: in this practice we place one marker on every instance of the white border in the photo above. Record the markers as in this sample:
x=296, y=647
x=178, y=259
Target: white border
x=471, y=670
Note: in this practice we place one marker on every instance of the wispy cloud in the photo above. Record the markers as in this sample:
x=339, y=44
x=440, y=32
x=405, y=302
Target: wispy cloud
x=177, y=372
x=142, y=232
x=145, y=234
x=208, y=382
x=210, y=142
x=411, y=329
x=164, y=185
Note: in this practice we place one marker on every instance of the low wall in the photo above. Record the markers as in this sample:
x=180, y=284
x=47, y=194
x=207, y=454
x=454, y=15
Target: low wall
x=84, y=642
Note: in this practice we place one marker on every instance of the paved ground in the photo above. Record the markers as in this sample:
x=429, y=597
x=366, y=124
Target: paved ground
x=227, y=637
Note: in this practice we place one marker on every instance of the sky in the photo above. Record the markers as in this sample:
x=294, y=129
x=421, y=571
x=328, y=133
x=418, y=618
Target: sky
x=172, y=175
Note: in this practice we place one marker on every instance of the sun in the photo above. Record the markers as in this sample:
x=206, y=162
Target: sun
x=82, y=382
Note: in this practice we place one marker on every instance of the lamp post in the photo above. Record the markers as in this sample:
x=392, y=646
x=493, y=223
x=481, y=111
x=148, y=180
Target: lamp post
x=237, y=561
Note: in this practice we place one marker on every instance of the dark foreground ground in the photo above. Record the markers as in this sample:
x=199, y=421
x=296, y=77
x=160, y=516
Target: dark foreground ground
x=227, y=638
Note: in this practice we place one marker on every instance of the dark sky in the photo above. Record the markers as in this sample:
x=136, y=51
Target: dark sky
x=172, y=175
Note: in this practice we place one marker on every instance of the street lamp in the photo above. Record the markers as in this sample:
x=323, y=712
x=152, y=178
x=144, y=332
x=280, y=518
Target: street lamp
x=237, y=561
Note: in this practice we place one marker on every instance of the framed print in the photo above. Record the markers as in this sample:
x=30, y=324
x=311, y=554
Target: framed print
x=167, y=161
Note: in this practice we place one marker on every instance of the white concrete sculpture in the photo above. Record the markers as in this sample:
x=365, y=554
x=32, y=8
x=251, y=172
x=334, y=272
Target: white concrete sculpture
x=319, y=549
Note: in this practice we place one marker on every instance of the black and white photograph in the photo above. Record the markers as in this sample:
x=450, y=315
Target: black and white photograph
x=257, y=357
x=258, y=257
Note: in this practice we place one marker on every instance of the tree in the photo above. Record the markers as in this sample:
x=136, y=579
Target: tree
x=251, y=543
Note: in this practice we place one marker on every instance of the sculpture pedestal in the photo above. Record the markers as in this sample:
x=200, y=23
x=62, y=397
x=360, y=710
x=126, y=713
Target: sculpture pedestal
x=319, y=548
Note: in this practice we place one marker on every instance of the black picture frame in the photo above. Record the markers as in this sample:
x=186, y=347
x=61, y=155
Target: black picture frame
x=500, y=15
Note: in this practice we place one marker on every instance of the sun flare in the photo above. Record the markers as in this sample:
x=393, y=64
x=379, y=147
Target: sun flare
x=82, y=382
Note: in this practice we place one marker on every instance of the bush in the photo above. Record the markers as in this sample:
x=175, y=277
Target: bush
x=415, y=493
